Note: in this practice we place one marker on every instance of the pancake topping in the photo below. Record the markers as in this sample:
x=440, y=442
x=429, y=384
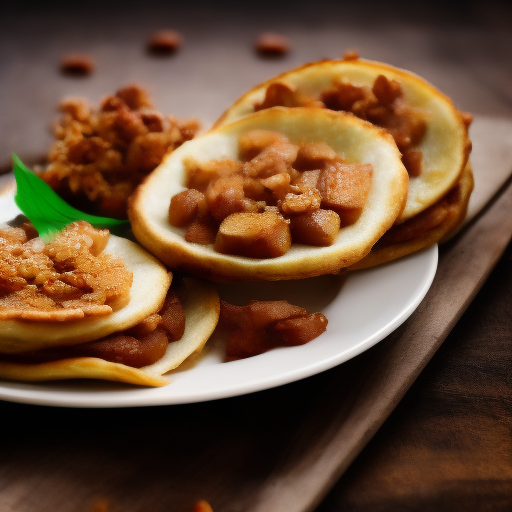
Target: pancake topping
x=275, y=194
x=101, y=156
x=67, y=279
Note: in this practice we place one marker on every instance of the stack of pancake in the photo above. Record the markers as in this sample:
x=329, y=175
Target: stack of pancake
x=419, y=194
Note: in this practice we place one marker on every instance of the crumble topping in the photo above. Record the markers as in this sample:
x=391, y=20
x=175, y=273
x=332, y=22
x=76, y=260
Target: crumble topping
x=66, y=279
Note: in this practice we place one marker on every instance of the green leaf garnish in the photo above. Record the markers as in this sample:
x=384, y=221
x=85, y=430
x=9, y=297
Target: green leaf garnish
x=48, y=212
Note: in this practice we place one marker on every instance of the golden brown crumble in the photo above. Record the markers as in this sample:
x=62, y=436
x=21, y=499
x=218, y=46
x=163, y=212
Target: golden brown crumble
x=66, y=279
x=101, y=156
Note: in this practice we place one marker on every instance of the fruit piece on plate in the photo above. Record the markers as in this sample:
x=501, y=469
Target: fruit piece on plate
x=353, y=140
x=429, y=131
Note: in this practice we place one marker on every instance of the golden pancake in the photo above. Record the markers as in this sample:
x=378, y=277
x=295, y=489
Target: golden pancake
x=149, y=288
x=201, y=305
x=452, y=208
x=445, y=144
x=355, y=140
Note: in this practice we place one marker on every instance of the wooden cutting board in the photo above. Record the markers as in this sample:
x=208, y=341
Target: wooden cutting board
x=332, y=436
x=273, y=451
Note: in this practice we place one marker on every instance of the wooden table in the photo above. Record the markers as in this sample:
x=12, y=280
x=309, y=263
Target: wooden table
x=448, y=444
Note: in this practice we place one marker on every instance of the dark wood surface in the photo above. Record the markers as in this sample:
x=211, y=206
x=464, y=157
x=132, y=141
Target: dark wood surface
x=447, y=446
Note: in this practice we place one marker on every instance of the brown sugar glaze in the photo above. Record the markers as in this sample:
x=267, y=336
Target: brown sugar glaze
x=275, y=194
x=67, y=279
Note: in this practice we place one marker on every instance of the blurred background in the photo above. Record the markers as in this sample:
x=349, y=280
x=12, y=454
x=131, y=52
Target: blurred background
x=463, y=50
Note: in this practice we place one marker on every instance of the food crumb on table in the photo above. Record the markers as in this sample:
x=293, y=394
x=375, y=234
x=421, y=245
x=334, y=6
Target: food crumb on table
x=103, y=505
x=77, y=64
x=272, y=45
x=165, y=42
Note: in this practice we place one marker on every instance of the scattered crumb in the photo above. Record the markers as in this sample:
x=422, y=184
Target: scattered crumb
x=165, y=42
x=351, y=55
x=202, y=506
x=77, y=64
x=101, y=505
x=274, y=45
x=104, y=505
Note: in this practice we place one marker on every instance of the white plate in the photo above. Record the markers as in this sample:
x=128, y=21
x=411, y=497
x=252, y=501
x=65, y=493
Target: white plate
x=362, y=309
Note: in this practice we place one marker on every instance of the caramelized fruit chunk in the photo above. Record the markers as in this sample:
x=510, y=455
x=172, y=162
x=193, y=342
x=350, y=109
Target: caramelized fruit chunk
x=173, y=316
x=254, y=142
x=413, y=162
x=300, y=330
x=307, y=201
x=202, y=231
x=343, y=96
x=262, y=325
x=255, y=235
x=279, y=184
x=308, y=179
x=225, y=196
x=185, y=207
x=278, y=94
x=126, y=349
x=200, y=174
x=318, y=227
x=344, y=188
x=313, y=155
x=274, y=159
